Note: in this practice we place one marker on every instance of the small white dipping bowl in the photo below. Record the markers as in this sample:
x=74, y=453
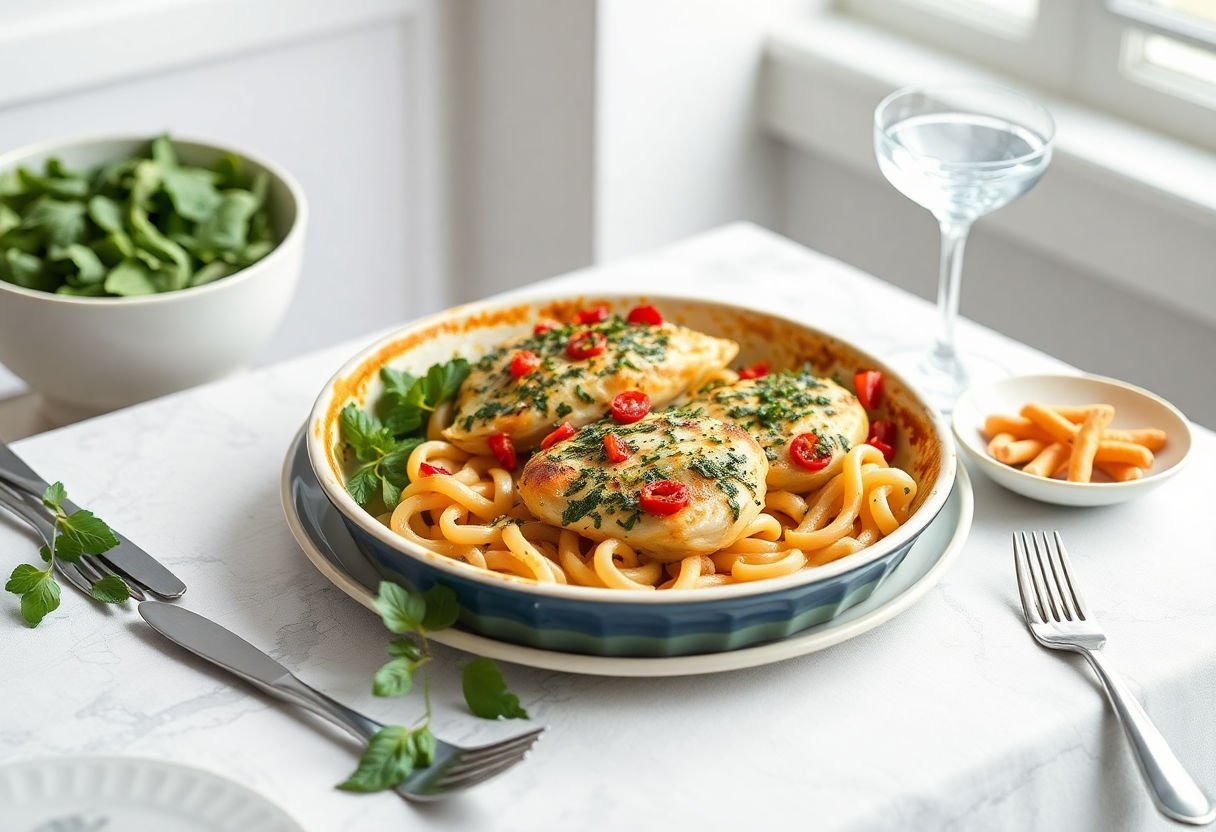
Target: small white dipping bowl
x=1134, y=408
x=89, y=355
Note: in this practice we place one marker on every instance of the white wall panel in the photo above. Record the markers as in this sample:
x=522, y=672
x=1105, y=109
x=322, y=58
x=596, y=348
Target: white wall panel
x=336, y=112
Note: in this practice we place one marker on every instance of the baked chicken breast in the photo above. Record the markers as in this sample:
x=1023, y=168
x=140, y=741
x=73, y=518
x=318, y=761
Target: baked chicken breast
x=777, y=408
x=718, y=467
x=576, y=372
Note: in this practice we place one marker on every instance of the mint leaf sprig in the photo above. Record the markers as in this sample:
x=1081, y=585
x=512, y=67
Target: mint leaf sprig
x=73, y=535
x=383, y=441
x=396, y=751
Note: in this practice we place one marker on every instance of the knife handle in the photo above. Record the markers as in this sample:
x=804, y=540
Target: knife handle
x=19, y=503
x=291, y=689
x=16, y=473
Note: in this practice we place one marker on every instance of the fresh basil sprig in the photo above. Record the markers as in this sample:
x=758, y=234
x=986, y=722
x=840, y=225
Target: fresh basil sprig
x=383, y=441
x=396, y=751
x=73, y=535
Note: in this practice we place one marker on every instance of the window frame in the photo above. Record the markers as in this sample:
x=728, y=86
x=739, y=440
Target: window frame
x=1081, y=49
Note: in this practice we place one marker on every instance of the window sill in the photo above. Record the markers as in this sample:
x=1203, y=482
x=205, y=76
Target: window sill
x=1119, y=201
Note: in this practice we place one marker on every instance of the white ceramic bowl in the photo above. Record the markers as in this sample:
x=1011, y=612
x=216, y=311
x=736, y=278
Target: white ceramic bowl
x=1134, y=408
x=89, y=355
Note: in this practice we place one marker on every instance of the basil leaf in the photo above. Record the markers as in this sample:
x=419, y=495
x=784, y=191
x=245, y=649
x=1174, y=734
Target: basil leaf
x=110, y=590
x=397, y=382
x=40, y=599
x=388, y=760
x=163, y=153
x=363, y=432
x=193, y=193
x=148, y=236
x=424, y=747
x=212, y=272
x=390, y=494
x=394, y=679
x=129, y=278
x=363, y=485
x=442, y=608
x=403, y=418
x=26, y=270
x=404, y=648
x=443, y=380
x=105, y=213
x=77, y=264
x=400, y=610
x=24, y=578
x=57, y=223
x=227, y=226
x=486, y=694
x=54, y=496
x=9, y=219
x=392, y=466
x=54, y=183
x=82, y=532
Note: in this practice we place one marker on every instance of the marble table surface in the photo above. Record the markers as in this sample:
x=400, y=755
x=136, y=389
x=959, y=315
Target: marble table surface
x=948, y=717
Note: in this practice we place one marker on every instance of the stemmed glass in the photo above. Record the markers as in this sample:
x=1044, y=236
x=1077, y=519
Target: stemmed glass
x=961, y=152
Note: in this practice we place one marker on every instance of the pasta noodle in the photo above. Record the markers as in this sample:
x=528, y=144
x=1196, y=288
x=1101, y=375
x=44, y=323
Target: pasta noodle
x=474, y=514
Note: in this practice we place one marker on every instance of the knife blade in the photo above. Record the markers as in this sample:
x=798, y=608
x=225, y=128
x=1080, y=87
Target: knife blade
x=126, y=557
x=218, y=645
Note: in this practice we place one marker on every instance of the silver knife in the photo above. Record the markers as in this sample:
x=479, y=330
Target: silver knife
x=452, y=769
x=222, y=647
x=126, y=557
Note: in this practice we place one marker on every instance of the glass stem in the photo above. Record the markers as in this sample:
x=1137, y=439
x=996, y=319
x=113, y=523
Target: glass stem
x=949, y=287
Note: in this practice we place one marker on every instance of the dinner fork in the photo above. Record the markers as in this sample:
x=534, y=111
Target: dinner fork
x=82, y=573
x=1059, y=620
x=139, y=569
x=453, y=768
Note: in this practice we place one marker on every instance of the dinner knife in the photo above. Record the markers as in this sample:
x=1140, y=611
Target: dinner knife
x=126, y=557
x=220, y=646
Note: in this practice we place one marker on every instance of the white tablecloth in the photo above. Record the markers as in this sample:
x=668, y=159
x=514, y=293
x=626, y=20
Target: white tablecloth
x=949, y=717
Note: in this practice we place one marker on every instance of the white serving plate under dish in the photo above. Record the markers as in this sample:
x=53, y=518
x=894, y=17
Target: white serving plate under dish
x=1134, y=406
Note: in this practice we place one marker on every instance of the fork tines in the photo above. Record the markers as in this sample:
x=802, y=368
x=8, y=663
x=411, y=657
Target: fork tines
x=1045, y=578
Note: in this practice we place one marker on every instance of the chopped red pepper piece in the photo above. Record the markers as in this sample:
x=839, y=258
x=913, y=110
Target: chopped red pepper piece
x=758, y=370
x=663, y=497
x=882, y=436
x=868, y=384
x=559, y=434
x=504, y=450
x=807, y=451
x=630, y=406
x=586, y=344
x=524, y=362
x=544, y=326
x=615, y=448
x=593, y=315
x=645, y=316
x=429, y=470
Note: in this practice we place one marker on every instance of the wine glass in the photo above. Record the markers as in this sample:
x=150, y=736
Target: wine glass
x=960, y=151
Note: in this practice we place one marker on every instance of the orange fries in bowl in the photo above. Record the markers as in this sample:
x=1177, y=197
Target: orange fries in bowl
x=1072, y=440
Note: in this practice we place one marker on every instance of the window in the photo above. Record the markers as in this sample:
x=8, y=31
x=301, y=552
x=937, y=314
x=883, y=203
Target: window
x=1150, y=61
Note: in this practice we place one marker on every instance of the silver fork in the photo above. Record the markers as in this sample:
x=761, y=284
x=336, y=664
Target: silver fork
x=1058, y=620
x=84, y=572
x=453, y=769
x=129, y=561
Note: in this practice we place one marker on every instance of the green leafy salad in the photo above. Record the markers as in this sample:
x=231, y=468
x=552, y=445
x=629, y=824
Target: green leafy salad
x=136, y=226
